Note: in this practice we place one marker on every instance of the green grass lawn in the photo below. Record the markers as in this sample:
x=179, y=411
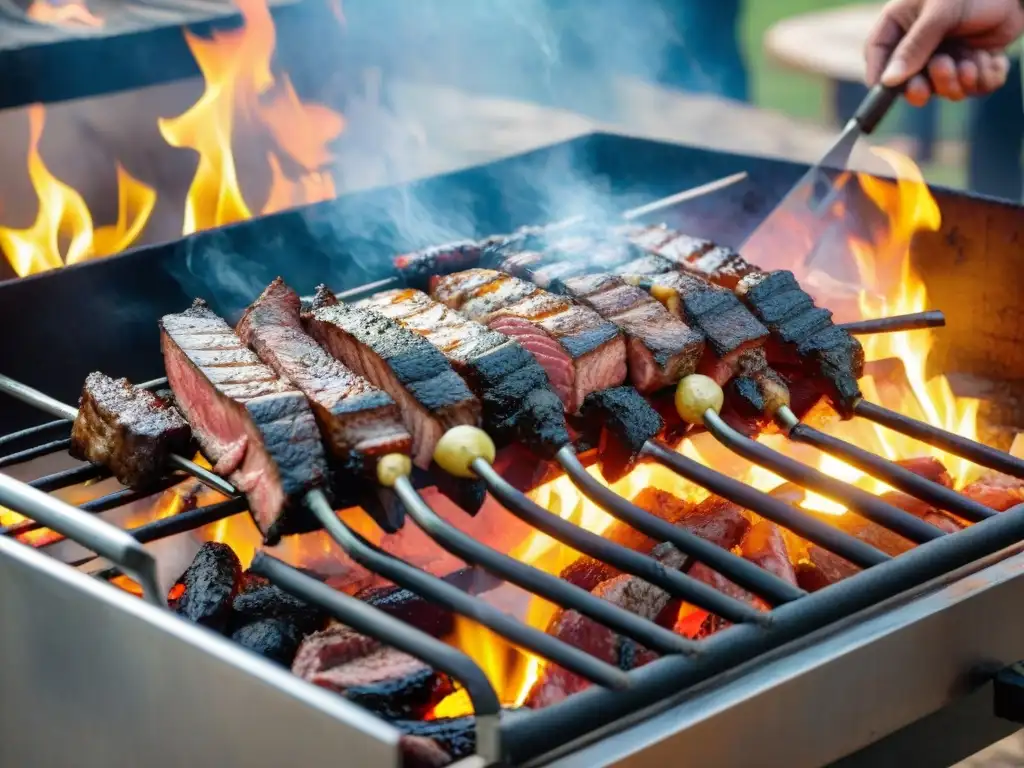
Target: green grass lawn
x=806, y=97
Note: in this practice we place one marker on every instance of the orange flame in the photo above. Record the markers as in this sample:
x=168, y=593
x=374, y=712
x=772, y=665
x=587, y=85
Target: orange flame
x=236, y=67
x=63, y=231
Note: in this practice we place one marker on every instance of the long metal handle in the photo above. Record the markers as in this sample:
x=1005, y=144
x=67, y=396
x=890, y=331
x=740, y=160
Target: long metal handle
x=101, y=537
x=46, y=403
x=551, y=587
x=395, y=632
x=439, y=591
x=876, y=106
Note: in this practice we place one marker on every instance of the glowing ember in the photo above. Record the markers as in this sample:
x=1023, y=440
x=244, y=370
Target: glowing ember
x=236, y=67
x=63, y=231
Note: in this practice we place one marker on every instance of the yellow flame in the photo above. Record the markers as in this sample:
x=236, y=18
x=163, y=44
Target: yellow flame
x=63, y=231
x=240, y=84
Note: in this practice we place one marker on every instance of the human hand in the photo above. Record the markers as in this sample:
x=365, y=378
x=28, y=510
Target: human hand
x=951, y=48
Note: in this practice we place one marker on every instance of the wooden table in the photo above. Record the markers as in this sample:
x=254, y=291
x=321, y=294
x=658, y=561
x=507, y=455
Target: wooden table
x=827, y=44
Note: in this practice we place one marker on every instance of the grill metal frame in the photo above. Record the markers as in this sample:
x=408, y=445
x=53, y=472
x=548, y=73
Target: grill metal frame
x=525, y=736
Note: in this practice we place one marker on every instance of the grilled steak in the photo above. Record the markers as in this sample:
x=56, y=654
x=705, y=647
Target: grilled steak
x=723, y=266
x=128, y=430
x=256, y=428
x=518, y=403
x=274, y=639
x=359, y=422
x=579, y=350
x=430, y=394
x=322, y=297
x=378, y=677
x=418, y=267
x=627, y=422
x=661, y=348
x=801, y=329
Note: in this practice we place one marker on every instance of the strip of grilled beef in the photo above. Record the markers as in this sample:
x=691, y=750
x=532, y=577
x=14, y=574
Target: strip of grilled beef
x=579, y=350
x=382, y=679
x=358, y=421
x=801, y=331
x=430, y=394
x=518, y=402
x=256, y=428
x=661, y=347
x=734, y=352
x=128, y=430
x=626, y=421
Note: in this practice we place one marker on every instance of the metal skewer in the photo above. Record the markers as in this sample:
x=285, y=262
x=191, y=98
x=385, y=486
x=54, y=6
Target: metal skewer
x=913, y=321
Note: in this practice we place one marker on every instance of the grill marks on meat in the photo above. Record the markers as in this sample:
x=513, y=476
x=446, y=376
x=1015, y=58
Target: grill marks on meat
x=518, y=403
x=128, y=430
x=382, y=679
x=724, y=266
x=579, y=350
x=358, y=421
x=661, y=348
x=257, y=429
x=801, y=329
x=734, y=353
x=430, y=394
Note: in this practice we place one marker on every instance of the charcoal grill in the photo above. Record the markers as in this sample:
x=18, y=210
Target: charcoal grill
x=751, y=688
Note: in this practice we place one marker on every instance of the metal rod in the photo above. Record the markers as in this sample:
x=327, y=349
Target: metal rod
x=743, y=572
x=45, y=402
x=682, y=197
x=912, y=321
x=940, y=438
x=83, y=473
x=394, y=632
x=776, y=510
x=856, y=499
x=34, y=453
x=438, y=591
x=939, y=496
x=29, y=432
x=550, y=587
x=175, y=524
x=101, y=537
x=773, y=589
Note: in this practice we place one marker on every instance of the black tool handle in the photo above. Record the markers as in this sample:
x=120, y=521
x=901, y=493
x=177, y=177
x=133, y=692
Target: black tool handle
x=876, y=105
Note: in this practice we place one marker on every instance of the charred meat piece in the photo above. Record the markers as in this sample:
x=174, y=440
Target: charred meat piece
x=579, y=350
x=128, y=430
x=322, y=297
x=822, y=568
x=256, y=428
x=723, y=266
x=274, y=639
x=209, y=585
x=430, y=394
x=418, y=267
x=359, y=422
x=498, y=370
x=661, y=348
x=425, y=742
x=380, y=678
x=996, y=491
x=627, y=422
x=629, y=592
x=802, y=329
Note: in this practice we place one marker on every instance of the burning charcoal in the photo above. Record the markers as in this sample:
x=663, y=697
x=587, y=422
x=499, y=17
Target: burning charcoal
x=929, y=468
x=422, y=752
x=272, y=602
x=454, y=736
x=210, y=585
x=626, y=591
x=696, y=623
x=274, y=639
x=996, y=491
x=128, y=430
x=765, y=545
x=377, y=677
x=871, y=533
x=822, y=568
x=629, y=422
